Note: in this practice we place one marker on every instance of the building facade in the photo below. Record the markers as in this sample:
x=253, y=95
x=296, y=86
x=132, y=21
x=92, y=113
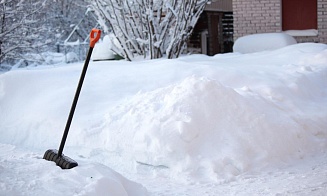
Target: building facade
x=305, y=20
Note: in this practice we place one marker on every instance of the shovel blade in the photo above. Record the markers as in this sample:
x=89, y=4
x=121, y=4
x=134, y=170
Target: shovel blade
x=62, y=161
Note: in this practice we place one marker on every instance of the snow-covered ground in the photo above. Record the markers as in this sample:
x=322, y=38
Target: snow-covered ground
x=231, y=124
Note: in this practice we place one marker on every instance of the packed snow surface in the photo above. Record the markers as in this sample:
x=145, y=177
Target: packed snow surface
x=231, y=124
x=262, y=41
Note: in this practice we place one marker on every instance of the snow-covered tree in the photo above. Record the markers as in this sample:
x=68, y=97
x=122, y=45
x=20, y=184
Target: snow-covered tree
x=149, y=28
x=35, y=26
x=20, y=28
x=64, y=15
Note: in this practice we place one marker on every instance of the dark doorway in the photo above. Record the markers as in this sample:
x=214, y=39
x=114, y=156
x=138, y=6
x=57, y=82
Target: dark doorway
x=213, y=33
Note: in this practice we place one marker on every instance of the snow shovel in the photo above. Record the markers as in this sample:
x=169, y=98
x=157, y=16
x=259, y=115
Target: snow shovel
x=56, y=156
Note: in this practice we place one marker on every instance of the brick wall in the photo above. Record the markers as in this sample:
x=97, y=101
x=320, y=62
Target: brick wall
x=322, y=21
x=264, y=16
x=256, y=16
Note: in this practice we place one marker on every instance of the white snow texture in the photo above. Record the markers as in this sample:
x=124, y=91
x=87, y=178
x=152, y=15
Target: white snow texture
x=231, y=124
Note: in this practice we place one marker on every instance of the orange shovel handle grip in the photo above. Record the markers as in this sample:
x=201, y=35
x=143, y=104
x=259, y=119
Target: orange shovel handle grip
x=94, y=37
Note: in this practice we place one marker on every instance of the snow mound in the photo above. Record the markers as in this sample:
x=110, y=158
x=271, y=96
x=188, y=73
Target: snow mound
x=201, y=127
x=262, y=42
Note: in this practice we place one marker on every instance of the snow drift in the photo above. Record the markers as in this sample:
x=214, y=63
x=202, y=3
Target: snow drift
x=198, y=117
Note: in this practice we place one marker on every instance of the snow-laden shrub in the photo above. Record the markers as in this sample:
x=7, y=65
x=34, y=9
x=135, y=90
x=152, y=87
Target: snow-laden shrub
x=149, y=28
x=102, y=50
x=71, y=57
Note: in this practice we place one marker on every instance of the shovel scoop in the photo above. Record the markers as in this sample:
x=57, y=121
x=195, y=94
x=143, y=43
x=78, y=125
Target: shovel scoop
x=56, y=156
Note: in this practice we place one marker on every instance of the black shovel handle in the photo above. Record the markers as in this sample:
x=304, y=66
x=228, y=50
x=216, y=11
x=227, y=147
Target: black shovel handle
x=94, y=37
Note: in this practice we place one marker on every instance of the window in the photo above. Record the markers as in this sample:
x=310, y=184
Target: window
x=299, y=14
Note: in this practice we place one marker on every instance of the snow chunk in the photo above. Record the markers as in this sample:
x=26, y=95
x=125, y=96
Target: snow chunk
x=262, y=42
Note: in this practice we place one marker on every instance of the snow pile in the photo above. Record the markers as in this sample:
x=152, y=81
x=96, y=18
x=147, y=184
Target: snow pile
x=262, y=42
x=102, y=50
x=201, y=127
x=168, y=124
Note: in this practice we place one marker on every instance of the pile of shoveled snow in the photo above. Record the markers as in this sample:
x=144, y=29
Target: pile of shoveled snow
x=205, y=128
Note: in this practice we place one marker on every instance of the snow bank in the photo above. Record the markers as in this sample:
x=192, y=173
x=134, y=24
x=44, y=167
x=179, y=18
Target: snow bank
x=205, y=128
x=262, y=42
x=198, y=117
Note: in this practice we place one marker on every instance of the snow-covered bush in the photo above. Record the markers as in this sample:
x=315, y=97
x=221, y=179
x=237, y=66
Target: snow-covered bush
x=102, y=50
x=262, y=42
x=20, y=29
x=149, y=28
x=30, y=28
x=71, y=57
